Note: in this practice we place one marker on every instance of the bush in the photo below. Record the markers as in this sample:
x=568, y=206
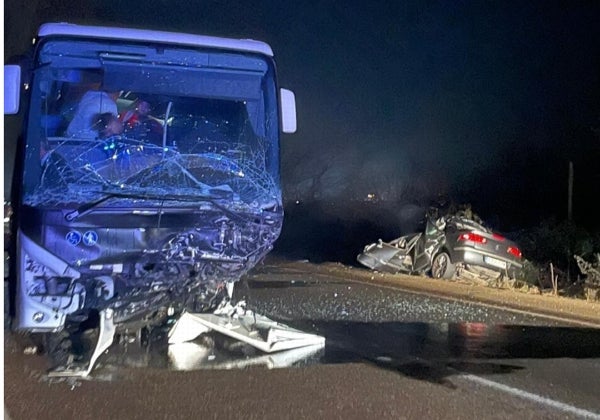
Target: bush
x=556, y=243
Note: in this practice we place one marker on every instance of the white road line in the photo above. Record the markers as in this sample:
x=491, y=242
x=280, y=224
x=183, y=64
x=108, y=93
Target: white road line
x=533, y=397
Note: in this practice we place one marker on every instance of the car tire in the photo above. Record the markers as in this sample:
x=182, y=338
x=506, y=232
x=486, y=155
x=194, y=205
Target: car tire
x=442, y=267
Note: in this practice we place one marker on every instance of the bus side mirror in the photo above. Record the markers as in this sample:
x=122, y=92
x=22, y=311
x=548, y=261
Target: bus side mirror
x=288, y=111
x=12, y=89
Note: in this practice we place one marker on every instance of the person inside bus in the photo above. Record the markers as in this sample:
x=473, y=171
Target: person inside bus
x=107, y=125
x=92, y=103
x=140, y=125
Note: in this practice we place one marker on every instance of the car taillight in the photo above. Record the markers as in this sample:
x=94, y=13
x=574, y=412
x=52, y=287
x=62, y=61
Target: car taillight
x=513, y=250
x=498, y=237
x=473, y=237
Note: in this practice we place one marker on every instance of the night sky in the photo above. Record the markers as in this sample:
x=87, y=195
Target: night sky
x=482, y=102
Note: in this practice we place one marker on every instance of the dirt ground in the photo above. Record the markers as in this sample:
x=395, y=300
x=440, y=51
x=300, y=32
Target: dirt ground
x=579, y=311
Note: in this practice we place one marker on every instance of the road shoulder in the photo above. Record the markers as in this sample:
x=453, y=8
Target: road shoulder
x=569, y=309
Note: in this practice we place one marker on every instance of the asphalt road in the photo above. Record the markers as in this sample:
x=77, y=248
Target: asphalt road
x=388, y=354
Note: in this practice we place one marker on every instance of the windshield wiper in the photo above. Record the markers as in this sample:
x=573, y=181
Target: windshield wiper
x=215, y=194
x=85, y=208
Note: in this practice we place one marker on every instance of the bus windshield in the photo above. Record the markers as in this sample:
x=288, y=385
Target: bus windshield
x=153, y=120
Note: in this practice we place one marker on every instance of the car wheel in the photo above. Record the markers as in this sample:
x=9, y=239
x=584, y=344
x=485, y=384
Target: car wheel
x=442, y=267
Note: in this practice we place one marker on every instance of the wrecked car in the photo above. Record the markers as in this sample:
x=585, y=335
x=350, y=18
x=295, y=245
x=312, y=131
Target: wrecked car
x=450, y=246
x=121, y=230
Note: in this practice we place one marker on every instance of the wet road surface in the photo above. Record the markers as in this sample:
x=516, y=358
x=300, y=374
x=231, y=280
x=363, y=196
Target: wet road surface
x=388, y=354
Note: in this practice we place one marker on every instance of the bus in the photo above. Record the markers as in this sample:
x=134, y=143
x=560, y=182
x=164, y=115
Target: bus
x=147, y=175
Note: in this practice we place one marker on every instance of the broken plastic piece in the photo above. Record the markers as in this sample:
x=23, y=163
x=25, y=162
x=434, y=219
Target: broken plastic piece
x=191, y=356
x=249, y=328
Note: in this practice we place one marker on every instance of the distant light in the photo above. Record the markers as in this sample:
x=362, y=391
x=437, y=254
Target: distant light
x=297, y=201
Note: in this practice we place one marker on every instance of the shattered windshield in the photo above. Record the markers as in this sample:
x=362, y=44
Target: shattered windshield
x=150, y=122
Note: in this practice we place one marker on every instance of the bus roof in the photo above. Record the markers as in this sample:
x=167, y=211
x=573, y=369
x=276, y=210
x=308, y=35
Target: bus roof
x=176, y=38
